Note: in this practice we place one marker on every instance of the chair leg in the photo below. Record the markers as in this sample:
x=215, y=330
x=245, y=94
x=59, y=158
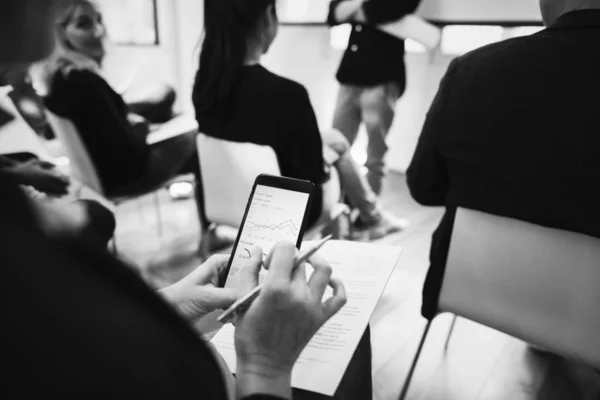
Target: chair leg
x=406, y=386
x=350, y=226
x=450, y=332
x=114, y=246
x=158, y=214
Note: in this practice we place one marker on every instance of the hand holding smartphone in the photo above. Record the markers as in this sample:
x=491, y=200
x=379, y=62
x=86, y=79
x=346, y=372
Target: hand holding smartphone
x=277, y=210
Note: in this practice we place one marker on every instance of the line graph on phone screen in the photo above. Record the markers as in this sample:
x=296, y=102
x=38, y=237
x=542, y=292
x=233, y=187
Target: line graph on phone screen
x=274, y=215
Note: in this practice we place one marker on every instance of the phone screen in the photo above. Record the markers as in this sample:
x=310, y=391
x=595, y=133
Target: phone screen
x=274, y=215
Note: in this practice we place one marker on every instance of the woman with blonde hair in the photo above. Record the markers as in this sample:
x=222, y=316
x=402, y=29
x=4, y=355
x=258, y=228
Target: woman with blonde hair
x=74, y=88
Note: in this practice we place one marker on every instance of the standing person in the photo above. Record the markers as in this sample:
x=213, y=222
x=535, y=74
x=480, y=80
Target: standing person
x=372, y=75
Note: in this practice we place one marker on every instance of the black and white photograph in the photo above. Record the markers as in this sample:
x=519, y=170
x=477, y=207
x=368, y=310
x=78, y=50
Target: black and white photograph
x=300, y=199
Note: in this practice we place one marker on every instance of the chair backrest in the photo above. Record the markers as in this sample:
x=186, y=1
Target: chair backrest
x=538, y=284
x=229, y=170
x=81, y=166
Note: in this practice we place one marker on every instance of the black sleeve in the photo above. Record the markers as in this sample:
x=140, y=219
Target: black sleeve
x=331, y=21
x=305, y=147
x=427, y=175
x=383, y=11
x=109, y=116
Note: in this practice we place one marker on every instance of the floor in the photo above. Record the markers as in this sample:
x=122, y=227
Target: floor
x=479, y=363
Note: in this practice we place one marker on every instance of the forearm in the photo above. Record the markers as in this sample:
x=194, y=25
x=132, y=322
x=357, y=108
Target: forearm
x=6, y=162
x=257, y=380
x=377, y=12
x=13, y=173
x=346, y=10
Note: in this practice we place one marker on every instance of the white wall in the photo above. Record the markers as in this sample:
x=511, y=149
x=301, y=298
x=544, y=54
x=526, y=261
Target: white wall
x=481, y=10
x=146, y=63
x=173, y=61
x=190, y=24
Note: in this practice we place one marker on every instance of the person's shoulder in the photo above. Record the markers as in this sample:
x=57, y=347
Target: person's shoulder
x=282, y=85
x=74, y=79
x=506, y=51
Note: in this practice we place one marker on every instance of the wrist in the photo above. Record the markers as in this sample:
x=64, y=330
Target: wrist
x=252, y=379
x=171, y=294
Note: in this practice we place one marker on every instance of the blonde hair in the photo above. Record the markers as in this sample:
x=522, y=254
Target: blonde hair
x=63, y=59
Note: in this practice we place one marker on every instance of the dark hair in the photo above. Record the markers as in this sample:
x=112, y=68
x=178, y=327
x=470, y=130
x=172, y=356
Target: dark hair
x=227, y=24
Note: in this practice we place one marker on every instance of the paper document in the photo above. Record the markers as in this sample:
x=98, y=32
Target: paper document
x=415, y=28
x=365, y=270
x=180, y=125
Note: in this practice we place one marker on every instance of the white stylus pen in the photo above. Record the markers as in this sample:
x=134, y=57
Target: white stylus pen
x=243, y=303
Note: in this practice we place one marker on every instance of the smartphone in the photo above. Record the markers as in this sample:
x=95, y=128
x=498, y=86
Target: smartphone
x=277, y=210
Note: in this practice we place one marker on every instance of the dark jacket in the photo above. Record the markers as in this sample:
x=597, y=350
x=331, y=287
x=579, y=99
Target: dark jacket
x=270, y=110
x=100, y=115
x=374, y=57
x=514, y=131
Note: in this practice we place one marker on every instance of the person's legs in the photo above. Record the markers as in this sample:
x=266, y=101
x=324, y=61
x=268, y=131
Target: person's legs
x=378, y=105
x=372, y=221
x=347, y=115
x=176, y=156
x=168, y=159
x=355, y=185
x=155, y=103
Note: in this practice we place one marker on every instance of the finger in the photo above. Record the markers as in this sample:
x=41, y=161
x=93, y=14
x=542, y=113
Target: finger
x=281, y=265
x=58, y=178
x=321, y=276
x=216, y=298
x=299, y=274
x=335, y=303
x=54, y=187
x=48, y=187
x=210, y=270
x=269, y=258
x=249, y=273
x=46, y=164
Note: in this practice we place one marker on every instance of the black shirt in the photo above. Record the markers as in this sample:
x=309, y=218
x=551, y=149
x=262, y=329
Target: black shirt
x=514, y=131
x=100, y=116
x=267, y=109
x=374, y=57
x=77, y=323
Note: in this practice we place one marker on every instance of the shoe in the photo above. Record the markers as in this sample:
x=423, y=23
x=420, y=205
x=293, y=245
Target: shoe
x=181, y=190
x=384, y=225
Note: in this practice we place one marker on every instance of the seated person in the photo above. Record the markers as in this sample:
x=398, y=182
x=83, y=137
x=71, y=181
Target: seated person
x=75, y=89
x=85, y=219
x=513, y=131
x=76, y=324
x=114, y=137
x=237, y=99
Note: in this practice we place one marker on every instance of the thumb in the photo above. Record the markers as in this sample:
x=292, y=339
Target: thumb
x=220, y=298
x=249, y=274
